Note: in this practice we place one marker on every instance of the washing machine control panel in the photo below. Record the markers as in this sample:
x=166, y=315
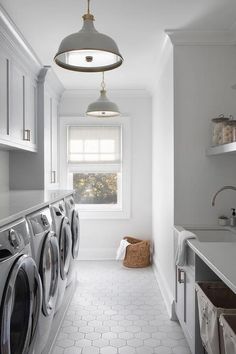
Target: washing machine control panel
x=61, y=208
x=44, y=220
x=14, y=238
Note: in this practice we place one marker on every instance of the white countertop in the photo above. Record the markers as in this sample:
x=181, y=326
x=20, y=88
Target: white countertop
x=17, y=204
x=220, y=257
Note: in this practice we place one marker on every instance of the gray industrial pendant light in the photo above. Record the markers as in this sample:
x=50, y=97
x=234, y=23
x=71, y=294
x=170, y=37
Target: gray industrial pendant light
x=88, y=50
x=103, y=107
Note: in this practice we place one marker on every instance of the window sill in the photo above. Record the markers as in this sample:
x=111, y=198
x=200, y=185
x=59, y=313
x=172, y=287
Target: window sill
x=102, y=214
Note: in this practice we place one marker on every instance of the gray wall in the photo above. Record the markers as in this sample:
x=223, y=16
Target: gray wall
x=203, y=79
x=27, y=168
x=4, y=171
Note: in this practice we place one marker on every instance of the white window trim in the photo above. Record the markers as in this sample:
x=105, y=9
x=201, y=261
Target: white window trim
x=121, y=211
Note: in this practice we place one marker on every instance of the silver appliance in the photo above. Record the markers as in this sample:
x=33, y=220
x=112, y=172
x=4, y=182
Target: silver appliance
x=73, y=217
x=45, y=251
x=61, y=227
x=20, y=291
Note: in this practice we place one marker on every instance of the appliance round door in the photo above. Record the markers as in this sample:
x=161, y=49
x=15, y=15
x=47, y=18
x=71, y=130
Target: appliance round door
x=49, y=272
x=20, y=308
x=65, y=244
x=75, y=230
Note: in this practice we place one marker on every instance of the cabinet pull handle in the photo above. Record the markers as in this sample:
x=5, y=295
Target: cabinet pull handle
x=53, y=176
x=26, y=136
x=181, y=279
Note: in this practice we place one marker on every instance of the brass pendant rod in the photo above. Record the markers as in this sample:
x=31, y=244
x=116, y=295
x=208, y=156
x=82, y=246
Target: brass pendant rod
x=88, y=7
x=103, y=82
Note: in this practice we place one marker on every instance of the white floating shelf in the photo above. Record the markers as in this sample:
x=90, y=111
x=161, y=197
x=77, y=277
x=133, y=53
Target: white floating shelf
x=221, y=149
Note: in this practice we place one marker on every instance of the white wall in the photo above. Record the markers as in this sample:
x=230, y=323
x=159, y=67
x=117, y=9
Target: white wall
x=163, y=175
x=193, y=87
x=203, y=79
x=4, y=171
x=100, y=238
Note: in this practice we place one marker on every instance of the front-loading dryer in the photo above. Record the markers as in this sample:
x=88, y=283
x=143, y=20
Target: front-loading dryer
x=20, y=291
x=73, y=217
x=61, y=227
x=45, y=251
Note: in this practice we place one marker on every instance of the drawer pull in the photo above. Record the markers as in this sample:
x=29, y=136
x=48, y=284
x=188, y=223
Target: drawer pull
x=181, y=276
x=53, y=176
x=26, y=135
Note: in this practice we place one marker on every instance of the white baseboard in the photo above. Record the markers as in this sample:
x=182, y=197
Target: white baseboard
x=97, y=254
x=165, y=291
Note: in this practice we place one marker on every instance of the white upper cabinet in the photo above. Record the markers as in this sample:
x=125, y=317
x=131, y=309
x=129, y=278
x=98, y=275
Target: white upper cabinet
x=16, y=93
x=50, y=90
x=51, y=140
x=4, y=104
x=19, y=68
x=30, y=115
x=54, y=150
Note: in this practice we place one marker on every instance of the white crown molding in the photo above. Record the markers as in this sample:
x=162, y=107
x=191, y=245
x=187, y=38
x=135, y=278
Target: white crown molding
x=184, y=37
x=47, y=76
x=16, y=41
x=111, y=92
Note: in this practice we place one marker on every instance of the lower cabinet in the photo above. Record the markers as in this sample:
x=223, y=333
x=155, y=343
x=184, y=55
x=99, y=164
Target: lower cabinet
x=185, y=302
x=186, y=307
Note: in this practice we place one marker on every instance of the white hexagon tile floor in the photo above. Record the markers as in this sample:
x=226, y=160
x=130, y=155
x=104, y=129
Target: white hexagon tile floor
x=118, y=311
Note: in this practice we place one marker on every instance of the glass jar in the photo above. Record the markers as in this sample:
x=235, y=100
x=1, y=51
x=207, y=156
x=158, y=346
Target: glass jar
x=218, y=125
x=229, y=133
x=227, y=136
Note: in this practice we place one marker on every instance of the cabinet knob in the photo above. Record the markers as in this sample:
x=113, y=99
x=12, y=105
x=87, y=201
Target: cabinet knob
x=26, y=135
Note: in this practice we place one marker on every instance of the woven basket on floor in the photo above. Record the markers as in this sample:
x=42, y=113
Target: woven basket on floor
x=137, y=253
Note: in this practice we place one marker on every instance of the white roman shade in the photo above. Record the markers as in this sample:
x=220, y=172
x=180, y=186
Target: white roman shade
x=94, y=144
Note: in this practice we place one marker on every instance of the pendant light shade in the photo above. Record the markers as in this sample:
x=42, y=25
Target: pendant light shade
x=88, y=50
x=103, y=107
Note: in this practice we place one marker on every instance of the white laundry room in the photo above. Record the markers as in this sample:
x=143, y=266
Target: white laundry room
x=118, y=177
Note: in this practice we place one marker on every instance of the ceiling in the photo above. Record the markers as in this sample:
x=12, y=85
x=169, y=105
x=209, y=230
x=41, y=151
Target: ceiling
x=136, y=25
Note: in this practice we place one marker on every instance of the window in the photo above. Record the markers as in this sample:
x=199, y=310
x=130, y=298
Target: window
x=94, y=165
x=95, y=162
x=95, y=188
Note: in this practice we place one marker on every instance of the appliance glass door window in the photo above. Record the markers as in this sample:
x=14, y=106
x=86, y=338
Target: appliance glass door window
x=65, y=244
x=49, y=271
x=20, y=316
x=20, y=307
x=75, y=233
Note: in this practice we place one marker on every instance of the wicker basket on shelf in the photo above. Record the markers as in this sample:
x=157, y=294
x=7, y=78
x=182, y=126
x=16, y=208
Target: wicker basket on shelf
x=137, y=253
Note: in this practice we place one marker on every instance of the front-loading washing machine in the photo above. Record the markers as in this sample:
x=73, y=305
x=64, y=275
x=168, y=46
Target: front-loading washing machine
x=20, y=291
x=73, y=217
x=45, y=251
x=61, y=227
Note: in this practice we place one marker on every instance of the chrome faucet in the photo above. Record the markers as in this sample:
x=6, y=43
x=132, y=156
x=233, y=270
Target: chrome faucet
x=220, y=190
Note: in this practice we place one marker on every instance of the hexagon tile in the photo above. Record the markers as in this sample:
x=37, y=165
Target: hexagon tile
x=118, y=311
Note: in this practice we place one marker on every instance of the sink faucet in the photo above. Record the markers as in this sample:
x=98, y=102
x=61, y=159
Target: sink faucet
x=220, y=190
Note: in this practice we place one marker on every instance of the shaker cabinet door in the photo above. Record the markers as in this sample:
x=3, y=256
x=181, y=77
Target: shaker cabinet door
x=54, y=155
x=180, y=294
x=50, y=140
x=30, y=118
x=17, y=105
x=4, y=94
